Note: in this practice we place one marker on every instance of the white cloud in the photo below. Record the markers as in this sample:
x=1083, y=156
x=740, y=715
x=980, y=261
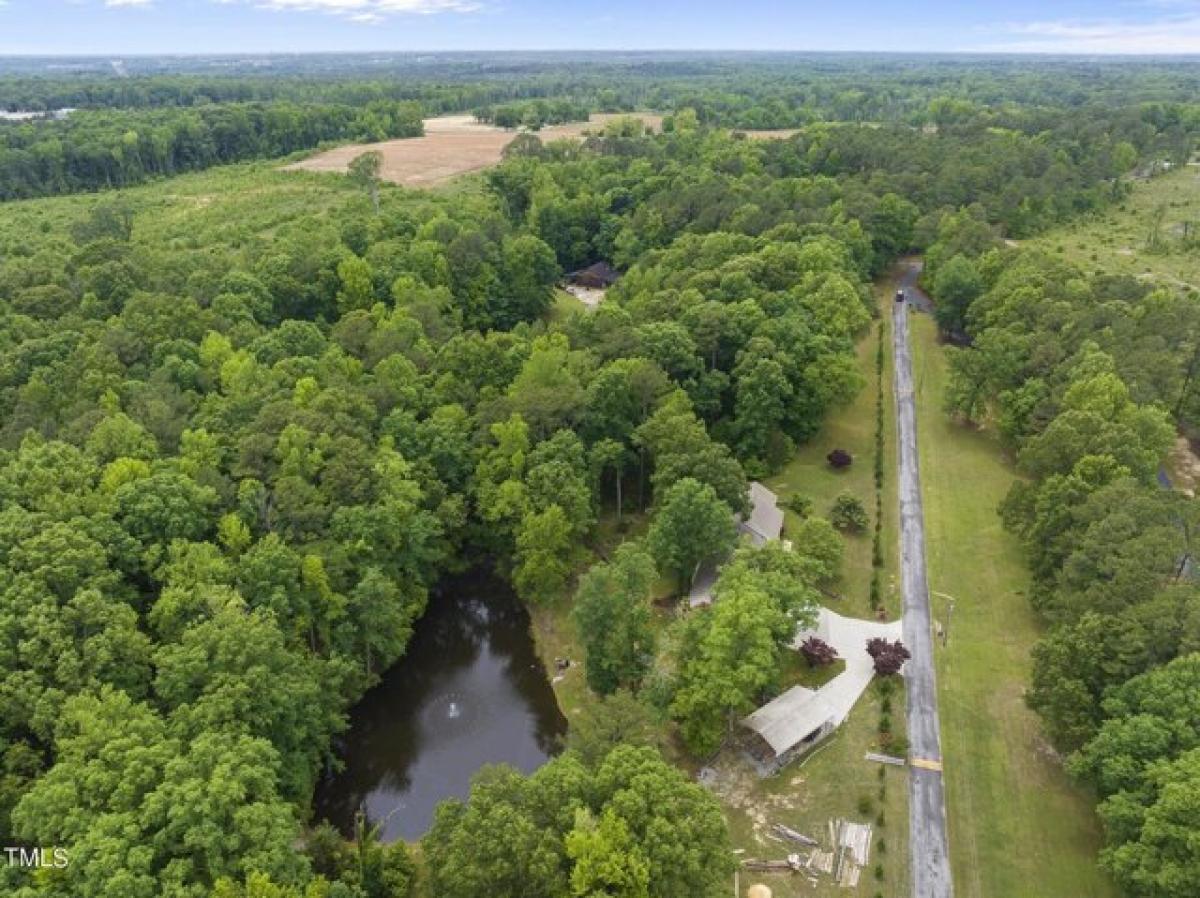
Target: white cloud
x=1179, y=33
x=369, y=12
x=128, y=2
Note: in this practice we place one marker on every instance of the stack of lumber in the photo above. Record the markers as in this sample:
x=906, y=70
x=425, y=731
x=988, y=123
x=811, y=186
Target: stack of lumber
x=820, y=861
x=767, y=866
x=856, y=838
x=850, y=874
x=788, y=833
x=793, y=864
x=850, y=850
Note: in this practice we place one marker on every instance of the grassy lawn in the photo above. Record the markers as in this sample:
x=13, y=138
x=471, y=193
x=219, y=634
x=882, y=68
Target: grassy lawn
x=835, y=781
x=1116, y=239
x=1017, y=825
x=798, y=672
x=853, y=428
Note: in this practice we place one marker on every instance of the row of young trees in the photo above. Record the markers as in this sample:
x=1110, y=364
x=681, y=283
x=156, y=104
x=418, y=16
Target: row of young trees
x=1082, y=377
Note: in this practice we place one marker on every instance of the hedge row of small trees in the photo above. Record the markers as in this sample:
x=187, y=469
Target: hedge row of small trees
x=877, y=543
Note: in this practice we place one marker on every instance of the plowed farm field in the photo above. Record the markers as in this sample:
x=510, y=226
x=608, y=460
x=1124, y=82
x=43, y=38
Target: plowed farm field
x=452, y=145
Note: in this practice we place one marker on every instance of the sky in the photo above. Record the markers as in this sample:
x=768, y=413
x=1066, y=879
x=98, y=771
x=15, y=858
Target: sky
x=116, y=27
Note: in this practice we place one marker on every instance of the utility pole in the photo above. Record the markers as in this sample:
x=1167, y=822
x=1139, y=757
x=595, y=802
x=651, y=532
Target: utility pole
x=949, y=614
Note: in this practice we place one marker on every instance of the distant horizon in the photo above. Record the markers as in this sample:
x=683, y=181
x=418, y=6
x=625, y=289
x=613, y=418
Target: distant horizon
x=1102, y=28
x=562, y=51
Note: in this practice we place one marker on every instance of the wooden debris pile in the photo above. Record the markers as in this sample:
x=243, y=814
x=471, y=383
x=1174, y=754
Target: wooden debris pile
x=855, y=837
x=820, y=862
x=853, y=841
x=793, y=864
x=850, y=851
x=789, y=833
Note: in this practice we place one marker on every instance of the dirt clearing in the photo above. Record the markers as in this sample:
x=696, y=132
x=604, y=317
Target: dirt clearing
x=768, y=133
x=452, y=145
x=1183, y=466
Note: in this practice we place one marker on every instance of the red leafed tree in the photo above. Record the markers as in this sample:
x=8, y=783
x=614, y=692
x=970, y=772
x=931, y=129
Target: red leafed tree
x=839, y=458
x=889, y=656
x=817, y=652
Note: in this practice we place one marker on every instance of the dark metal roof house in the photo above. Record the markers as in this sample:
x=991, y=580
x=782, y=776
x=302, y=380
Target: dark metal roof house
x=598, y=276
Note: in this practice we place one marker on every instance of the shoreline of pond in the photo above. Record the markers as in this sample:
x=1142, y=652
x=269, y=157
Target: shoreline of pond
x=470, y=690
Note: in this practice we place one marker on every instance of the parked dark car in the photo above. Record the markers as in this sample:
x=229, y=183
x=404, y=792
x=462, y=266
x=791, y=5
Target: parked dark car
x=899, y=296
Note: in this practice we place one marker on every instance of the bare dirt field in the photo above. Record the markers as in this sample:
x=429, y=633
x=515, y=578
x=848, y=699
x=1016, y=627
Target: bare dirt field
x=452, y=145
x=769, y=133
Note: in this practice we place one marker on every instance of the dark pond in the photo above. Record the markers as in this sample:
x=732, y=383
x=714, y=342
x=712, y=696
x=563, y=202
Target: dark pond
x=469, y=691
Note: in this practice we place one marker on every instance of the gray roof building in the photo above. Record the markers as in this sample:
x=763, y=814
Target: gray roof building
x=764, y=523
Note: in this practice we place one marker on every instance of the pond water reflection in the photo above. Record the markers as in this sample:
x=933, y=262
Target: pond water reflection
x=469, y=691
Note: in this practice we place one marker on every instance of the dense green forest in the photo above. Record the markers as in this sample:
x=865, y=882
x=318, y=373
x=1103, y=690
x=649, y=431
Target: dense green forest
x=97, y=149
x=1086, y=378
x=769, y=89
x=126, y=129
x=248, y=419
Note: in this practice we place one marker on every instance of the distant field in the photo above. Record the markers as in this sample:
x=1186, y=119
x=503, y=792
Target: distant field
x=1018, y=826
x=1118, y=240
x=769, y=133
x=452, y=145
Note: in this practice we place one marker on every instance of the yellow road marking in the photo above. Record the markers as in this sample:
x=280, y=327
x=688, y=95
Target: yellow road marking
x=926, y=764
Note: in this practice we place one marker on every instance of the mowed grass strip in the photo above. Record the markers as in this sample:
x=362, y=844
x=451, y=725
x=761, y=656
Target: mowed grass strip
x=1018, y=827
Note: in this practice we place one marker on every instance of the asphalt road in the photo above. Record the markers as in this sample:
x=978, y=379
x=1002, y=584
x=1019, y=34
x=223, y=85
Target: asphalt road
x=928, y=844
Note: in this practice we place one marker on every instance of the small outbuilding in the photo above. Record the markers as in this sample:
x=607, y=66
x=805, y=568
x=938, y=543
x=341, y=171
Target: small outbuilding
x=788, y=727
x=598, y=276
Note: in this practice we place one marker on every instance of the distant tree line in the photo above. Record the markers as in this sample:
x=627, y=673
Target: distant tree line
x=1006, y=129
x=533, y=113
x=98, y=149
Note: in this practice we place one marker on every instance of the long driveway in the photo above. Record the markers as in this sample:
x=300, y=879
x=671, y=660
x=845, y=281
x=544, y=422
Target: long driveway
x=928, y=845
